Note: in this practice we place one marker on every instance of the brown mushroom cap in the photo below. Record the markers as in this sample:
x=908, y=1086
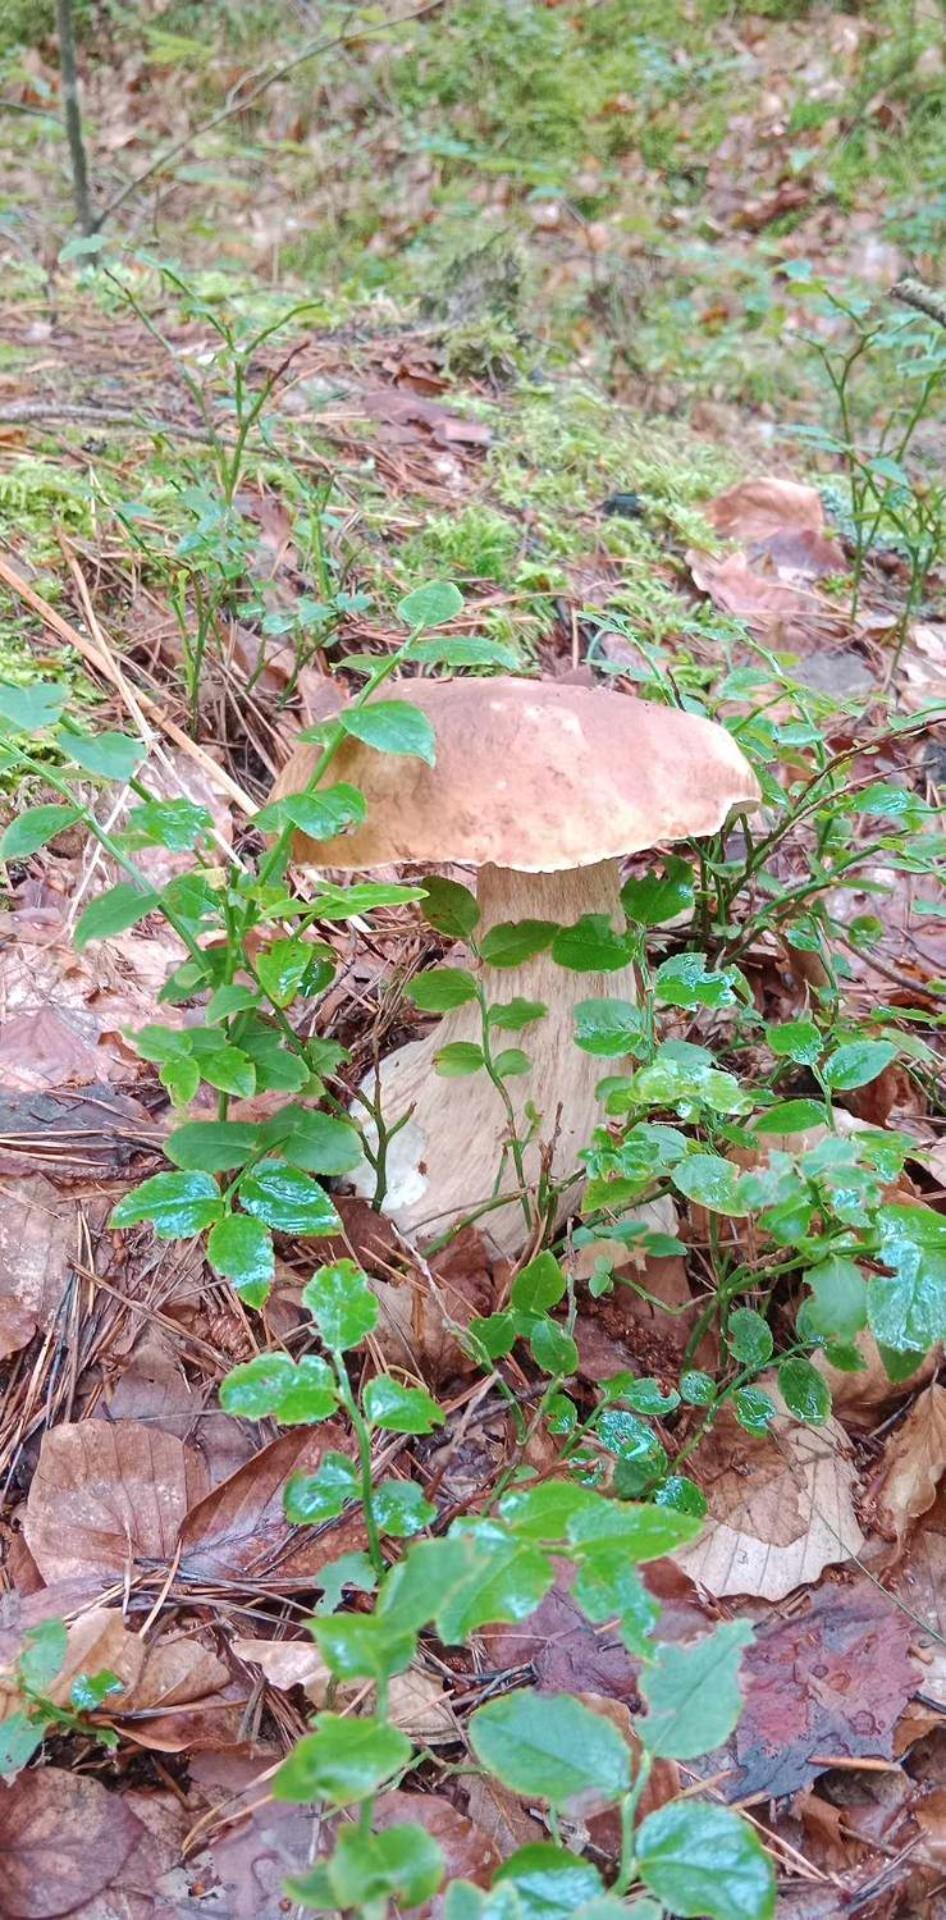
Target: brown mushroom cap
x=537, y=775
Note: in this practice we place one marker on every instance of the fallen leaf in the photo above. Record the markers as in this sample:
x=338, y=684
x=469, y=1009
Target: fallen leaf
x=861, y=1399
x=105, y=1499
x=239, y=1532
x=154, y=1388
x=919, y=1580
x=288, y=1663
x=63, y=1840
x=757, y=510
x=469, y=1853
x=40, y=1239
x=419, y=1704
x=913, y=1464
x=831, y=1681
x=45, y=1048
x=794, y=615
x=780, y=1507
x=17, y=1326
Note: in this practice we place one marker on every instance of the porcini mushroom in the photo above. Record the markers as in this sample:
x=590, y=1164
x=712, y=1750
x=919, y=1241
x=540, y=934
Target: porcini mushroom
x=543, y=786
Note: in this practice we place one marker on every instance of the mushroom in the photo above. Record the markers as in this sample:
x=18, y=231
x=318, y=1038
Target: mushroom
x=543, y=786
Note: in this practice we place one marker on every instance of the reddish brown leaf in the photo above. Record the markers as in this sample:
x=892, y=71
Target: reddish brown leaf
x=105, y=1499
x=758, y=509
x=17, y=1326
x=468, y=1852
x=63, y=1840
x=39, y=1241
x=239, y=1531
x=913, y=1465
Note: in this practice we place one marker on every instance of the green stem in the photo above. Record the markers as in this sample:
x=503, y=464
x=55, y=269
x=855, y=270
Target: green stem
x=363, y=1439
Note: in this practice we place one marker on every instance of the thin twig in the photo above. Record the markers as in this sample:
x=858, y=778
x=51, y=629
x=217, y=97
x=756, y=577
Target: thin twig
x=72, y=114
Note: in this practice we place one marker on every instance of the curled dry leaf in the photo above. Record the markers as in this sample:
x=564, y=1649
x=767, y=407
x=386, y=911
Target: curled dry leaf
x=862, y=1399
x=107, y=1499
x=64, y=1840
x=913, y=1465
x=40, y=1228
x=781, y=1508
x=239, y=1532
x=829, y=1683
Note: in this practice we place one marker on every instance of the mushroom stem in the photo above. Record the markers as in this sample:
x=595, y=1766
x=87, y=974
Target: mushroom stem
x=454, y=1154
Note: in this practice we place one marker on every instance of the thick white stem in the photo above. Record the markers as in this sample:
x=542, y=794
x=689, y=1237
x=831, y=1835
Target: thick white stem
x=453, y=1155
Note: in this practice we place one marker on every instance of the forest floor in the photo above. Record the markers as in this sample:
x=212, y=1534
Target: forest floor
x=588, y=309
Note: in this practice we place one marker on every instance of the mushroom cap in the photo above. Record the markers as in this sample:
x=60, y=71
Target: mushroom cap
x=538, y=775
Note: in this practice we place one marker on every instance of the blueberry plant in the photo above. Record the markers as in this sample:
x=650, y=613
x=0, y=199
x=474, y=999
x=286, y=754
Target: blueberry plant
x=732, y=1119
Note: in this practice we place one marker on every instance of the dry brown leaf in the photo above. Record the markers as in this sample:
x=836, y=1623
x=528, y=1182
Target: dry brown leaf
x=46, y=1048
x=781, y=1508
x=913, y=1464
x=288, y=1663
x=17, y=1326
x=469, y=1853
x=501, y=1817
x=420, y=1706
x=239, y=1531
x=40, y=1240
x=861, y=1399
x=757, y=509
x=64, y=1840
x=105, y=1498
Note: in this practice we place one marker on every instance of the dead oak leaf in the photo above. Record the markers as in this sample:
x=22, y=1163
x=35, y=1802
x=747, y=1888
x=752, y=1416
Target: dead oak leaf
x=64, y=1840
x=105, y=1498
x=239, y=1531
x=913, y=1465
x=781, y=1508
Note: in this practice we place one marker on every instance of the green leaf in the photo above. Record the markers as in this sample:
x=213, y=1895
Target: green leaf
x=458, y=1059
x=466, y=650
x=401, y=1510
x=640, y=1532
x=539, y=1285
x=754, y=1410
x=640, y=1455
x=242, y=1250
x=282, y=967
x=114, y=912
x=273, y=1386
x=685, y=981
x=608, y=1027
x=511, y=1016
x=591, y=946
x=230, y=1070
x=857, y=1063
x=177, y=1205
x=112, y=756
x=431, y=605
x=907, y=1310
x=712, y=1182
x=19, y=1738
x=608, y=1587
x=804, y=1390
x=749, y=1337
x=89, y=1691
x=658, y=898
x=341, y=1301
x=287, y=1200
x=400, y=1409
x=791, y=1116
x=363, y=1646
x=549, y=1882
x=514, y=941
x=277, y=1070
x=692, y=1692
x=343, y=1761
x=315, y=1141
x=647, y=1396
x=312, y=1498
x=703, y=1860
x=42, y=1655
x=367, y=1870
x=543, y=1512
x=550, y=1747
x=553, y=1349
x=177, y=824
x=510, y=1062
x=797, y=1040
x=683, y=1495
x=449, y=908
x=838, y=1306
x=34, y=829
x=392, y=726
x=696, y=1388
x=501, y=1578
x=345, y=903
x=212, y=1146
x=322, y=814
x=442, y=989
x=32, y=709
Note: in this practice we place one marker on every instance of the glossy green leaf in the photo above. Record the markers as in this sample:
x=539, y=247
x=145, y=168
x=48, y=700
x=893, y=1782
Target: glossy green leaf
x=749, y=1337
x=608, y=1027
x=31, y=709
x=400, y=1409
x=34, y=829
x=591, y=946
x=512, y=942
x=511, y=1016
x=431, y=605
x=277, y=1070
x=538, y=1285
x=449, y=908
x=367, y=1870
x=683, y=1495
x=712, y=1182
x=553, y=1349
x=857, y=1063
x=212, y=1146
x=314, y=1141
x=458, y=1059
x=698, y=1389
x=656, y=898
x=791, y=1116
x=312, y=1498
x=549, y=1882
x=608, y=1587
x=230, y=1070
x=401, y=1509
x=466, y=650
x=392, y=726
x=640, y=1532
x=797, y=1040
x=838, y=1306
x=363, y=1646
x=907, y=1309
x=640, y=1456
x=342, y=1303
x=692, y=1691
x=111, y=756
x=551, y=1747
x=19, y=1738
x=442, y=989
x=703, y=1860
x=241, y=1250
x=343, y=1761
x=180, y=1078
x=114, y=912
x=177, y=1205
x=754, y=1410
x=804, y=1390
x=42, y=1655
x=287, y=1200
x=281, y=969
x=502, y=1579
x=297, y=1393
x=346, y=903
x=176, y=824
x=321, y=814
x=685, y=980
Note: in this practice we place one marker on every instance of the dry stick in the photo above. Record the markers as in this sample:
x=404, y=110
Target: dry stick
x=105, y=665
x=912, y=293
x=72, y=114
x=239, y=102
